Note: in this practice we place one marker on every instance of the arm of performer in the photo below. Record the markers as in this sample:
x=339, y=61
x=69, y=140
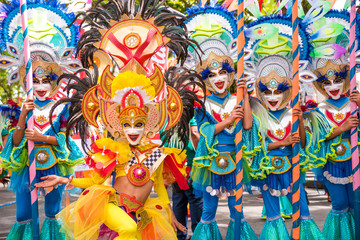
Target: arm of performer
x=30, y=134
x=52, y=180
x=162, y=193
x=248, y=118
x=195, y=136
x=352, y=121
x=237, y=112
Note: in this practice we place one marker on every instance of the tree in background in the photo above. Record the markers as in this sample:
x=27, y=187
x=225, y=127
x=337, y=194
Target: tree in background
x=8, y=91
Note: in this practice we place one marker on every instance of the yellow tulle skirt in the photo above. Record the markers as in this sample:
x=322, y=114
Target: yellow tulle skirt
x=82, y=219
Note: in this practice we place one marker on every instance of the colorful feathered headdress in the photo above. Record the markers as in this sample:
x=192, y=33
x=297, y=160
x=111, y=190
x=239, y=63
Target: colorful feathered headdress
x=118, y=48
x=52, y=40
x=214, y=28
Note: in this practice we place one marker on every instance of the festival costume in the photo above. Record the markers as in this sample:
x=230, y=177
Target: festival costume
x=213, y=27
x=330, y=64
x=285, y=208
x=52, y=44
x=136, y=101
x=268, y=61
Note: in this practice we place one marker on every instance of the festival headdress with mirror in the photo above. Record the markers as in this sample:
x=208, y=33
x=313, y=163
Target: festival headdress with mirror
x=52, y=41
x=214, y=28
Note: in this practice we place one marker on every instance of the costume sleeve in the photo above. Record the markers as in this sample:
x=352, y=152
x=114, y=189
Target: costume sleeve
x=255, y=150
x=96, y=179
x=205, y=153
x=307, y=158
x=252, y=139
x=67, y=158
x=102, y=164
x=14, y=158
x=320, y=146
x=159, y=185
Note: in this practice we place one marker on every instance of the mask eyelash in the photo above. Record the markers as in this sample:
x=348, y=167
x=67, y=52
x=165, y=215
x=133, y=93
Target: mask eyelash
x=283, y=86
x=226, y=66
x=262, y=87
x=205, y=73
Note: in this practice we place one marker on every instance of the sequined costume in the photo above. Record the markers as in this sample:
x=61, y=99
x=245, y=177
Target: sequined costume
x=52, y=46
x=333, y=82
x=268, y=57
x=213, y=172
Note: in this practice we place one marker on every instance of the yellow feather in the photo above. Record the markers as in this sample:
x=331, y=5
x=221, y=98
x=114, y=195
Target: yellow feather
x=132, y=79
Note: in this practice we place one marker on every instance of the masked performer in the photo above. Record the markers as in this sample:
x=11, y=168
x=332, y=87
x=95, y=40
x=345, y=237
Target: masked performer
x=269, y=63
x=52, y=44
x=331, y=120
x=133, y=106
x=213, y=172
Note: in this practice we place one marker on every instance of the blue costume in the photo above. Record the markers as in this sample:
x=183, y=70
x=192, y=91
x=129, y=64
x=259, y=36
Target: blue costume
x=332, y=82
x=213, y=172
x=50, y=160
x=268, y=57
x=52, y=45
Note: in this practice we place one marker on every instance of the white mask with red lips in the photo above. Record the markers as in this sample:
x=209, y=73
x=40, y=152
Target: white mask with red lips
x=273, y=101
x=133, y=132
x=42, y=90
x=219, y=80
x=334, y=88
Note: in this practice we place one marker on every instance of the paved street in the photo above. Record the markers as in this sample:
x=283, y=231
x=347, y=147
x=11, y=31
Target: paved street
x=319, y=207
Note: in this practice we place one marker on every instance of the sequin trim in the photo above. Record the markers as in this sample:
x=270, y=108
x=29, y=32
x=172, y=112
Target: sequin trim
x=338, y=180
x=207, y=222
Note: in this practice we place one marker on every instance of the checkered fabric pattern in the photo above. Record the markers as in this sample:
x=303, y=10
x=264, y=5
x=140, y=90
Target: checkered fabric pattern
x=150, y=161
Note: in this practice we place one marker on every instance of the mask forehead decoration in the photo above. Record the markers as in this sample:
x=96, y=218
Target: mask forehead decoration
x=51, y=47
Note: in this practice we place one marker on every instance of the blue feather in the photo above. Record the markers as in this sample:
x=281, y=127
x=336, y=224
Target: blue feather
x=262, y=87
x=342, y=74
x=205, y=73
x=226, y=66
x=283, y=86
